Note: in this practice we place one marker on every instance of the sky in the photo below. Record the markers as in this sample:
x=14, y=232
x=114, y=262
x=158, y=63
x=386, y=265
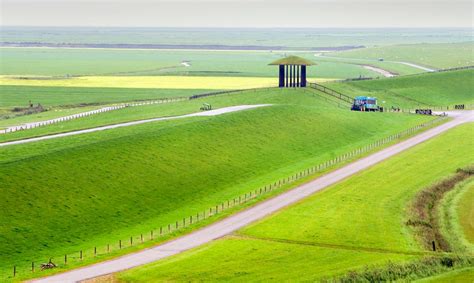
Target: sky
x=243, y=13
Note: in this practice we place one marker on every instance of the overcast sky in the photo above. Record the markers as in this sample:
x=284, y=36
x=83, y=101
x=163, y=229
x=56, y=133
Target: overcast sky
x=243, y=13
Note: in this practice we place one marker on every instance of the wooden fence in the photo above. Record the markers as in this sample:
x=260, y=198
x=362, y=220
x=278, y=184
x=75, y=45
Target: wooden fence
x=161, y=231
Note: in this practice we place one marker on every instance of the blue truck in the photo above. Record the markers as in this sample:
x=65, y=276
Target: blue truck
x=365, y=103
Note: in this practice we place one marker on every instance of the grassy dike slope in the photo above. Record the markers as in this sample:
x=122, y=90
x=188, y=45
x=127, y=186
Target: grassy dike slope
x=356, y=222
x=62, y=195
x=437, y=89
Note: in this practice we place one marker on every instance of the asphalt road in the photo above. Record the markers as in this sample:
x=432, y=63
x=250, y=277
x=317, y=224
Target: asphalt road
x=215, y=112
x=259, y=211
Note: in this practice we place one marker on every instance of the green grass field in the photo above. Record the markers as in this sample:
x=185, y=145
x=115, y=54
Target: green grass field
x=465, y=212
x=424, y=90
x=170, y=169
x=160, y=110
x=113, y=62
x=394, y=67
x=457, y=276
x=12, y=96
x=355, y=223
x=456, y=214
x=438, y=56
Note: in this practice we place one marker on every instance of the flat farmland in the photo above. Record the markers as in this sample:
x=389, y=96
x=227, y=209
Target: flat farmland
x=20, y=95
x=131, y=62
x=158, y=82
x=437, y=56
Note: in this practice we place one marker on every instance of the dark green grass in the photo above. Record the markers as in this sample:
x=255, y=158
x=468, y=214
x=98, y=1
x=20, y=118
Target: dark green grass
x=11, y=96
x=424, y=90
x=66, y=194
x=360, y=221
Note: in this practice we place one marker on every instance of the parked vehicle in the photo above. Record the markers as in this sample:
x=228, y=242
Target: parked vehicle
x=365, y=103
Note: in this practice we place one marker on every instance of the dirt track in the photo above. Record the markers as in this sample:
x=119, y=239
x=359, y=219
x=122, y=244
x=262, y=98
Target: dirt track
x=259, y=211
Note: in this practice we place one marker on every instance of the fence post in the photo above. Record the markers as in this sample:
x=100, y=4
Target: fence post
x=32, y=266
x=151, y=235
x=120, y=244
x=80, y=256
x=95, y=251
x=14, y=270
x=65, y=259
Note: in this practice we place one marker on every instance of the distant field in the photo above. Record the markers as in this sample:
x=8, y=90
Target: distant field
x=171, y=169
x=350, y=225
x=276, y=37
x=12, y=95
x=123, y=62
x=160, y=82
x=438, y=56
x=424, y=90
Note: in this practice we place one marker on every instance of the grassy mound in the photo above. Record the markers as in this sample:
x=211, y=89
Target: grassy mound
x=424, y=90
x=66, y=194
x=358, y=222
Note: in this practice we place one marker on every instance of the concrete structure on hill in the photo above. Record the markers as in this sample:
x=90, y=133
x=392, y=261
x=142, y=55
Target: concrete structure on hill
x=292, y=71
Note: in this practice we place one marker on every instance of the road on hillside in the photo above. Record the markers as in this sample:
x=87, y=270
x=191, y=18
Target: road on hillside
x=215, y=112
x=367, y=59
x=254, y=213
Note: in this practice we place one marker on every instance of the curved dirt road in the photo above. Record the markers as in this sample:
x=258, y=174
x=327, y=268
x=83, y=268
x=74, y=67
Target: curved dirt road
x=241, y=219
x=214, y=112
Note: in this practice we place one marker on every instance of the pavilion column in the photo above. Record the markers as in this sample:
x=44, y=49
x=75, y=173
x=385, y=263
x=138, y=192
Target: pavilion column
x=286, y=75
x=294, y=75
x=298, y=76
x=303, y=76
x=291, y=75
x=281, y=78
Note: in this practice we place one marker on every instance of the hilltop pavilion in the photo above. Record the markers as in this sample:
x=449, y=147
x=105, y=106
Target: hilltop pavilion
x=292, y=71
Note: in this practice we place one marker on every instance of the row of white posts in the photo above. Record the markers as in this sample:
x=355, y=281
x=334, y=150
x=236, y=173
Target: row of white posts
x=85, y=114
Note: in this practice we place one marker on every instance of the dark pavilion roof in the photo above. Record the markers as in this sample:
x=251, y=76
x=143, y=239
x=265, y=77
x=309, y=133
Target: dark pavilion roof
x=293, y=60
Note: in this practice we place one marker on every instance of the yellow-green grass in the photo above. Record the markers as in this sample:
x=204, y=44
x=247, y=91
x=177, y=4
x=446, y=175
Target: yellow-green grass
x=360, y=221
x=97, y=188
x=456, y=217
x=423, y=90
x=161, y=82
x=445, y=55
x=465, y=275
x=466, y=212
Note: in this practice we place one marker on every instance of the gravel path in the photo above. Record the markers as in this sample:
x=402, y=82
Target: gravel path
x=259, y=211
x=215, y=112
